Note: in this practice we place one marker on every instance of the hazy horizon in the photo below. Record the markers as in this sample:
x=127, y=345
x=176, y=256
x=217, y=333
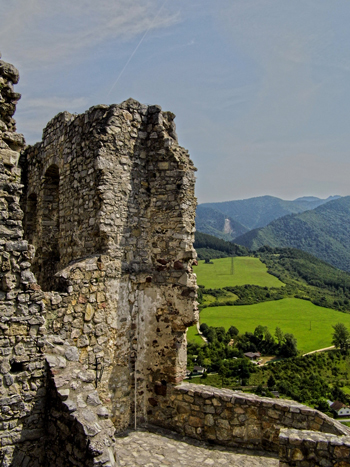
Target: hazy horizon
x=260, y=88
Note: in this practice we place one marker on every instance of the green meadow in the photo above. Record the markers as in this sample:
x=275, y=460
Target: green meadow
x=193, y=336
x=290, y=314
x=245, y=270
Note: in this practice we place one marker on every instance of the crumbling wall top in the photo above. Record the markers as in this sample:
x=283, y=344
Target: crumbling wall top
x=10, y=141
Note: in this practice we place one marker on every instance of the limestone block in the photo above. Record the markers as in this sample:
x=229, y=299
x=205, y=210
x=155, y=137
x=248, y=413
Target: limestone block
x=9, y=157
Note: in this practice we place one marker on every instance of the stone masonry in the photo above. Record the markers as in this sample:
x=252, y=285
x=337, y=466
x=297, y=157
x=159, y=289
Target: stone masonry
x=109, y=207
x=22, y=362
x=233, y=418
x=310, y=449
x=112, y=195
x=97, y=292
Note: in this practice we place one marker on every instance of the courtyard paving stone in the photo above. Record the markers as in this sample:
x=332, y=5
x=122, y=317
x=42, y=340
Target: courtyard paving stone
x=163, y=449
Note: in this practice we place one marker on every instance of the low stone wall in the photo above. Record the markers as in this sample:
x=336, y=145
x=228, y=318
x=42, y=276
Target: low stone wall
x=237, y=419
x=309, y=449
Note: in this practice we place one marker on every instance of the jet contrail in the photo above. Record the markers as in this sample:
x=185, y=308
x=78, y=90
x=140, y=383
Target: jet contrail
x=138, y=45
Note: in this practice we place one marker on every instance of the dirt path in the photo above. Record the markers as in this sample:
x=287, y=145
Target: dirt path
x=199, y=332
x=319, y=350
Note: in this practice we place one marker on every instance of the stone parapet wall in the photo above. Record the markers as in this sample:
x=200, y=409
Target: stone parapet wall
x=309, y=449
x=236, y=419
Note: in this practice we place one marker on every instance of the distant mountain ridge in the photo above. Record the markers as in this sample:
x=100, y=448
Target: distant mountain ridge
x=258, y=212
x=213, y=222
x=324, y=232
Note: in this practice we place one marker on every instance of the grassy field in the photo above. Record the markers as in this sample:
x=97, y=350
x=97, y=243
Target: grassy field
x=193, y=336
x=246, y=270
x=290, y=314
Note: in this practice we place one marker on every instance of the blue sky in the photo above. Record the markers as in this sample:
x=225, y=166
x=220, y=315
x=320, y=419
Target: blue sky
x=261, y=88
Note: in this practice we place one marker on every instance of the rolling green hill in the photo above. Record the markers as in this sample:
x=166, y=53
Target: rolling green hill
x=323, y=232
x=260, y=211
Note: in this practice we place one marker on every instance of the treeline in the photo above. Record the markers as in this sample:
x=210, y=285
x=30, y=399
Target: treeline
x=302, y=265
x=225, y=347
x=209, y=247
x=309, y=277
x=311, y=379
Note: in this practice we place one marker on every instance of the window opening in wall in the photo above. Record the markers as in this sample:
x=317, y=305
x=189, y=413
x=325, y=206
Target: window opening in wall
x=16, y=367
x=31, y=217
x=49, y=248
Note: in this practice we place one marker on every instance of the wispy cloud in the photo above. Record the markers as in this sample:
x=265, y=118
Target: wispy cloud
x=45, y=31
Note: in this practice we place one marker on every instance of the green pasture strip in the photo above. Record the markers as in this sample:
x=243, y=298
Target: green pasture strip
x=246, y=270
x=292, y=315
x=208, y=298
x=193, y=336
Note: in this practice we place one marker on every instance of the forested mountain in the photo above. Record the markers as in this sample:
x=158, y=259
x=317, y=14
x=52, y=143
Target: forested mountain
x=323, y=232
x=213, y=222
x=258, y=212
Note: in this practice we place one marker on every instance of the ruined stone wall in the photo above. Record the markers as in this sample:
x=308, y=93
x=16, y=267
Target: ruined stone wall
x=61, y=203
x=302, y=448
x=22, y=364
x=236, y=419
x=121, y=200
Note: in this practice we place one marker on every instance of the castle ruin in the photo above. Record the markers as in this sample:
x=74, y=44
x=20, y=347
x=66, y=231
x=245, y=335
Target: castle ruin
x=97, y=292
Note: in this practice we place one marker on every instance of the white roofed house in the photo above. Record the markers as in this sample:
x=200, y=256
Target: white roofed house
x=341, y=409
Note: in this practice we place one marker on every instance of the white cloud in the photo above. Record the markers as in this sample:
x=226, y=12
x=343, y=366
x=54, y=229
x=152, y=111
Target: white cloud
x=34, y=32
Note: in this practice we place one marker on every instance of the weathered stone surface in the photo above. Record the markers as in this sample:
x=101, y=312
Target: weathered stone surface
x=161, y=449
x=313, y=448
x=22, y=394
x=233, y=418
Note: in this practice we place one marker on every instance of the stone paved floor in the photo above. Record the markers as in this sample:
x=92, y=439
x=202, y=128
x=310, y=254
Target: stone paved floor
x=165, y=449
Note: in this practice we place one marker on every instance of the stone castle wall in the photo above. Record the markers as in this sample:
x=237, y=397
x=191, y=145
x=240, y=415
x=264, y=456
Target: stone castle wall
x=22, y=331
x=119, y=200
x=233, y=418
x=311, y=449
